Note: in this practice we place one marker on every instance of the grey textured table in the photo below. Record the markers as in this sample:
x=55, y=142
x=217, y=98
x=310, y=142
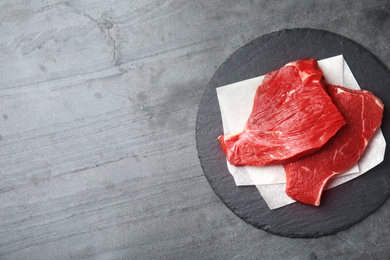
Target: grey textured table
x=98, y=103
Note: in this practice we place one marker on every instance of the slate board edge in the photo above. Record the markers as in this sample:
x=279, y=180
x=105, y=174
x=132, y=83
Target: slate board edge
x=264, y=227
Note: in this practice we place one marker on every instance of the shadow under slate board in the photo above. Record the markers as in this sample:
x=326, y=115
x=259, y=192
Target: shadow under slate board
x=340, y=207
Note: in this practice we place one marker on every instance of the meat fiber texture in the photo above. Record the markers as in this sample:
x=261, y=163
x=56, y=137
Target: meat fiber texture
x=274, y=194
x=292, y=117
x=307, y=177
x=236, y=102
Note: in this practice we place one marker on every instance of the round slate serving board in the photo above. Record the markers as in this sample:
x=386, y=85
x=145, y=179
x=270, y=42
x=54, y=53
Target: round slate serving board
x=340, y=207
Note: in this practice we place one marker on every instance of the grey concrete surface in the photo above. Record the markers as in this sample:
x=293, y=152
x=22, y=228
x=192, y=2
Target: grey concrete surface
x=98, y=102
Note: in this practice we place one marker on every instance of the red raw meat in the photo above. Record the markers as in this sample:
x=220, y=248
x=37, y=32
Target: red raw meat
x=292, y=116
x=363, y=112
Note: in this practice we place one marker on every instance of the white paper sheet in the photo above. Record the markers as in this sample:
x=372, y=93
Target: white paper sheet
x=236, y=102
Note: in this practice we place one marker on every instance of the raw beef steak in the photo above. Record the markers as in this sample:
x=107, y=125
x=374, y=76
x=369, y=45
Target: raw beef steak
x=292, y=116
x=307, y=177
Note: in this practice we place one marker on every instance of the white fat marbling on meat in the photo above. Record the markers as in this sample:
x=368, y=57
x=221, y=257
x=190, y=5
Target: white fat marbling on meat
x=302, y=74
x=305, y=168
x=365, y=142
x=379, y=103
x=339, y=90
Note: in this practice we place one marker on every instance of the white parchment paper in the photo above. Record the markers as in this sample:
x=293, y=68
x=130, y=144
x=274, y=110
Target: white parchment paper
x=236, y=102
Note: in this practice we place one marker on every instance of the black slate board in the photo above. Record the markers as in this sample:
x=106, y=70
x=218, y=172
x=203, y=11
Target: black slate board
x=340, y=207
